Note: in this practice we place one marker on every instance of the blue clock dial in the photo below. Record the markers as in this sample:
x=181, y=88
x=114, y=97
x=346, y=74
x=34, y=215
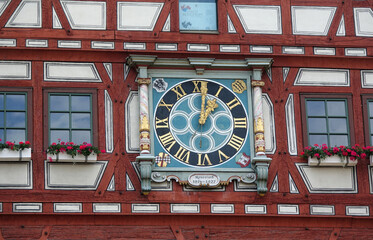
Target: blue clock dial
x=180, y=133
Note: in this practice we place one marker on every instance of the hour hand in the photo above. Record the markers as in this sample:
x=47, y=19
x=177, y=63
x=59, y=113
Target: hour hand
x=202, y=117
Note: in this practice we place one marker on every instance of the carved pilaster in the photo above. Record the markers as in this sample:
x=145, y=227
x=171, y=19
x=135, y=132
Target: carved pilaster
x=144, y=115
x=146, y=166
x=258, y=116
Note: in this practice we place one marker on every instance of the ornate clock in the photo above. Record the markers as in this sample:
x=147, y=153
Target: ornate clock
x=201, y=123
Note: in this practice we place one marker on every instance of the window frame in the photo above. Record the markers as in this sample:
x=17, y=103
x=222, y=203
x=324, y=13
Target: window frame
x=94, y=127
x=344, y=96
x=365, y=98
x=29, y=109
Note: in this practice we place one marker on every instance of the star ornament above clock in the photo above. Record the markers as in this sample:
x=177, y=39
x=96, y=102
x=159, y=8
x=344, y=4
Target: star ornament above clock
x=201, y=123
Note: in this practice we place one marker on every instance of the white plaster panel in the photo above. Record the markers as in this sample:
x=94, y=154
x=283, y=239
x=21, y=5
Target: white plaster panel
x=69, y=71
x=322, y=77
x=16, y=175
x=323, y=51
x=129, y=185
x=109, y=127
x=222, y=208
x=102, y=45
x=184, y=208
x=109, y=70
x=357, y=210
x=56, y=20
x=366, y=78
x=27, y=15
x=106, y=207
x=341, y=31
x=269, y=124
x=74, y=176
x=231, y=28
x=1, y=207
x=167, y=25
x=134, y=46
x=357, y=52
x=69, y=44
x=230, y=48
x=260, y=19
x=138, y=16
x=292, y=50
x=85, y=14
x=322, y=210
x=198, y=47
x=328, y=179
x=255, y=209
x=27, y=207
x=67, y=207
x=285, y=72
x=274, y=186
x=111, y=186
x=145, y=208
x=363, y=22
x=261, y=49
x=292, y=186
x=36, y=43
x=312, y=20
x=8, y=42
x=166, y=46
x=287, y=209
x=290, y=125
x=3, y=5
x=132, y=123
x=15, y=70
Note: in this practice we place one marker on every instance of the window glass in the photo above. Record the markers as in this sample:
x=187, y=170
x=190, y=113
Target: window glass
x=327, y=122
x=70, y=117
x=13, y=116
x=198, y=15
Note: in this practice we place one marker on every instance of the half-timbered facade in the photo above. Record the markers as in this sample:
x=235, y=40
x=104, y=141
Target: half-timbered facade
x=203, y=109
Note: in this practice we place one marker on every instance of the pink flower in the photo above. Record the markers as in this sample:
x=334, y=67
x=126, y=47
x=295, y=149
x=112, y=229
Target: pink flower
x=69, y=148
x=59, y=139
x=54, y=144
x=302, y=153
x=363, y=156
x=82, y=147
x=50, y=159
x=353, y=153
x=103, y=151
x=62, y=143
x=27, y=142
x=317, y=155
x=62, y=150
x=344, y=153
x=89, y=145
x=316, y=145
x=71, y=143
x=20, y=142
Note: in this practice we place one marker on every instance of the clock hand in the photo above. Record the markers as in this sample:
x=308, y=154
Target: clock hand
x=202, y=117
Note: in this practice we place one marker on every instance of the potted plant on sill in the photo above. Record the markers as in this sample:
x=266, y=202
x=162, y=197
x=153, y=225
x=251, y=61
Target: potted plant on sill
x=70, y=152
x=10, y=151
x=336, y=156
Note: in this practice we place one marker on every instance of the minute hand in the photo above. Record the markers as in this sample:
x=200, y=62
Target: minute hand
x=204, y=89
x=211, y=105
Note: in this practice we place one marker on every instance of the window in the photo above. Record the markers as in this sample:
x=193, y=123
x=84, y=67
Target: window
x=198, y=15
x=326, y=120
x=71, y=116
x=368, y=118
x=14, y=115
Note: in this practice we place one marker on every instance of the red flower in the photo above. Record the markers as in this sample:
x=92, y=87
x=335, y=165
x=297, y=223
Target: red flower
x=103, y=151
x=50, y=159
x=62, y=143
x=317, y=155
x=344, y=153
x=69, y=148
x=20, y=142
x=82, y=147
x=54, y=144
x=316, y=145
x=363, y=156
x=302, y=153
x=27, y=142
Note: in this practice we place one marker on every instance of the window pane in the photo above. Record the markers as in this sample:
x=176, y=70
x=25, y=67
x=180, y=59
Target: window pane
x=337, y=140
x=371, y=127
x=1, y=101
x=81, y=120
x=15, y=102
x=336, y=108
x=315, y=108
x=16, y=119
x=2, y=135
x=59, y=134
x=59, y=120
x=197, y=15
x=59, y=103
x=337, y=125
x=2, y=119
x=318, y=139
x=79, y=137
x=370, y=106
x=80, y=103
x=317, y=125
x=16, y=136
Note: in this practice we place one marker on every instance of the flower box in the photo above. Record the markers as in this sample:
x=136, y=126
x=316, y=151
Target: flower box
x=64, y=157
x=7, y=154
x=371, y=160
x=332, y=161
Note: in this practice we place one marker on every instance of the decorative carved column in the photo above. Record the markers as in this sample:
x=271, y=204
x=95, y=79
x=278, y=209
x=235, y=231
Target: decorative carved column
x=260, y=161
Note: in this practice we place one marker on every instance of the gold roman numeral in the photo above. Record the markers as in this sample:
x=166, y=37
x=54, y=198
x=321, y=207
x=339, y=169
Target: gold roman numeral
x=236, y=142
x=222, y=154
x=179, y=92
x=240, y=123
x=196, y=88
x=218, y=92
x=233, y=103
x=205, y=158
x=161, y=123
x=167, y=140
x=163, y=104
x=182, y=154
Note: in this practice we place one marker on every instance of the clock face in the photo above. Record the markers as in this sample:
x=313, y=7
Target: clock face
x=199, y=122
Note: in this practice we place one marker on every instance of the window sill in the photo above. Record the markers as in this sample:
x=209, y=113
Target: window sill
x=64, y=157
x=200, y=31
x=10, y=155
x=332, y=161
